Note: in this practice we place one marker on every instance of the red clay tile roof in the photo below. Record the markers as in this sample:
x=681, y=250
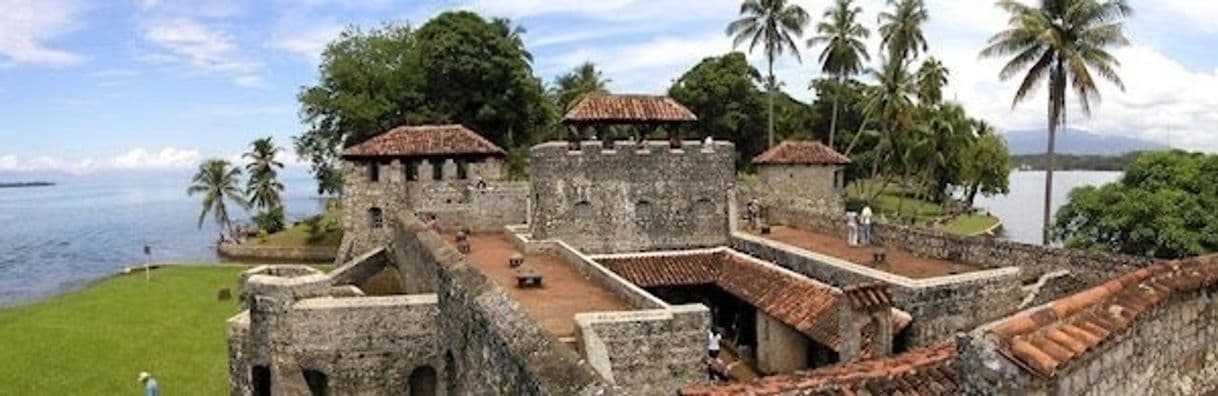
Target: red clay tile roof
x=802, y=303
x=669, y=270
x=424, y=140
x=792, y=152
x=1049, y=337
x=869, y=296
x=598, y=107
x=928, y=371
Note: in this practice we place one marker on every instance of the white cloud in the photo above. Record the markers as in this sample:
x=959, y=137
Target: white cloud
x=308, y=43
x=135, y=159
x=204, y=49
x=26, y=27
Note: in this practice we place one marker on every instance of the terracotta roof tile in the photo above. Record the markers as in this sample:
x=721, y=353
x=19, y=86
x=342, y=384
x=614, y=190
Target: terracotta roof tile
x=674, y=270
x=1046, y=338
x=802, y=303
x=869, y=296
x=927, y=371
x=424, y=140
x=801, y=153
x=598, y=107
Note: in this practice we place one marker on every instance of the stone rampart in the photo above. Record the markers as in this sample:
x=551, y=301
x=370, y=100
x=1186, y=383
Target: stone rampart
x=286, y=254
x=1085, y=267
x=650, y=352
x=1170, y=350
x=493, y=347
x=631, y=198
x=940, y=306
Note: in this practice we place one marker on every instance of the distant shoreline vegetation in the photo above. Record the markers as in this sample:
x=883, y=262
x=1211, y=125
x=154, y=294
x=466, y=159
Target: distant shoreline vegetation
x=26, y=184
x=1071, y=162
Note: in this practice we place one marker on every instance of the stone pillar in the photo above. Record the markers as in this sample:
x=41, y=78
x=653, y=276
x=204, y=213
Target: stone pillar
x=872, y=305
x=450, y=169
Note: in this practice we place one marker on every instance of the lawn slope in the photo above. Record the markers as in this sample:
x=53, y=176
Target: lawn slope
x=95, y=341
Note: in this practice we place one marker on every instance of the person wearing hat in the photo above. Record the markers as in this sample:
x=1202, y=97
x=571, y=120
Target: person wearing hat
x=150, y=386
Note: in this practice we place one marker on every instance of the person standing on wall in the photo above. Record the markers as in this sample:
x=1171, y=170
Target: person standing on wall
x=865, y=226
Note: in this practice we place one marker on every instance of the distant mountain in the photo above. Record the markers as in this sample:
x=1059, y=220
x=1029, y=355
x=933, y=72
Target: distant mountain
x=1077, y=142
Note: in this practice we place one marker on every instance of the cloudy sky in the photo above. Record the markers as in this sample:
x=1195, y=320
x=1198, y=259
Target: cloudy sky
x=133, y=84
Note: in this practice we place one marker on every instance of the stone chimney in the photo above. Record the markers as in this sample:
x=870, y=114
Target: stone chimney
x=872, y=306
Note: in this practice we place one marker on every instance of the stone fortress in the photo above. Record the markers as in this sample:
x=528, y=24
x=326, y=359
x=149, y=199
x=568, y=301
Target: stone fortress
x=640, y=249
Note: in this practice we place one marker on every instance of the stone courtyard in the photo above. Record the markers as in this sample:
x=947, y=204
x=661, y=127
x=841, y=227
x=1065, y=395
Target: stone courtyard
x=630, y=252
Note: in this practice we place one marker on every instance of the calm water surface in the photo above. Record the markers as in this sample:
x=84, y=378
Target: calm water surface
x=56, y=238
x=1021, y=210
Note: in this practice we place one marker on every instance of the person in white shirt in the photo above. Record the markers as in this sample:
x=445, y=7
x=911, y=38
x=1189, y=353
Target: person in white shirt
x=852, y=228
x=712, y=346
x=865, y=226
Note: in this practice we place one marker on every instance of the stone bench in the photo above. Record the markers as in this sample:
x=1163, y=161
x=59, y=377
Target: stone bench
x=527, y=277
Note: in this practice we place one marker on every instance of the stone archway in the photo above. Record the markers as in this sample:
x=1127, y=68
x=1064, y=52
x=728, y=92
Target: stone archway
x=423, y=381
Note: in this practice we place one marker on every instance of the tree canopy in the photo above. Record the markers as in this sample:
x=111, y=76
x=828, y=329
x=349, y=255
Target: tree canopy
x=1162, y=207
x=456, y=68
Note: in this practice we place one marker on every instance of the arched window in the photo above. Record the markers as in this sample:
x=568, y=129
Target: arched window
x=423, y=381
x=703, y=209
x=376, y=218
x=318, y=384
x=582, y=209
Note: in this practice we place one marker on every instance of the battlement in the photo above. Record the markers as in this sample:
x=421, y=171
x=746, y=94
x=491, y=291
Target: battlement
x=634, y=197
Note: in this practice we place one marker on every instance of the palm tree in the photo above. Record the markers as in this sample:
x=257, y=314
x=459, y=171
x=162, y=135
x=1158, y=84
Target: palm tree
x=263, y=187
x=514, y=34
x=845, y=52
x=1063, y=42
x=892, y=101
x=582, y=80
x=775, y=25
x=219, y=182
x=901, y=29
x=932, y=77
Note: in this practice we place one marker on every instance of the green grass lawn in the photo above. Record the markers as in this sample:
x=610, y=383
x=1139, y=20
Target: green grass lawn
x=894, y=197
x=96, y=340
x=302, y=234
x=970, y=225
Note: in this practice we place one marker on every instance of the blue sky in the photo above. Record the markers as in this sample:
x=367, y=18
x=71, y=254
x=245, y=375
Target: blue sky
x=136, y=84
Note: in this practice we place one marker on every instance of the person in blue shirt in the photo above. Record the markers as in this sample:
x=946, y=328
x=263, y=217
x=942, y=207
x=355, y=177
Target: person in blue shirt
x=150, y=386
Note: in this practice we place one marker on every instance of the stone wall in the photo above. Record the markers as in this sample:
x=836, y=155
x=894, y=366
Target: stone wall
x=814, y=188
x=1170, y=350
x=255, y=253
x=630, y=199
x=652, y=352
x=780, y=348
x=293, y=324
x=493, y=347
x=455, y=202
x=1085, y=268
x=940, y=306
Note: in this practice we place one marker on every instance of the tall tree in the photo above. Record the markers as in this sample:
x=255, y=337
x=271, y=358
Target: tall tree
x=219, y=183
x=582, y=80
x=263, y=187
x=515, y=34
x=932, y=77
x=986, y=164
x=1064, y=43
x=774, y=25
x=844, y=52
x=723, y=92
x=901, y=30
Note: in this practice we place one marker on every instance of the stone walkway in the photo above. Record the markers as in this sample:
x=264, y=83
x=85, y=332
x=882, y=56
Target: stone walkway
x=899, y=261
x=564, y=292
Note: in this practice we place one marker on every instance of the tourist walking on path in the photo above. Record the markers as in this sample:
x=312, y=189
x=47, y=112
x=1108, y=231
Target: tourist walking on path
x=852, y=228
x=150, y=386
x=865, y=226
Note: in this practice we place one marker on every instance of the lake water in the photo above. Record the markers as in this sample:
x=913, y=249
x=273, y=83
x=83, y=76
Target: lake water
x=1021, y=210
x=59, y=237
